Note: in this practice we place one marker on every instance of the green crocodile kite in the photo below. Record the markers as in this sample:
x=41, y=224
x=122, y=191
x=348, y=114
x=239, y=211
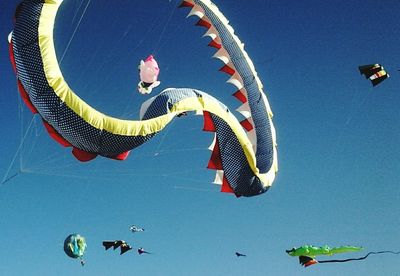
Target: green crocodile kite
x=307, y=253
x=312, y=251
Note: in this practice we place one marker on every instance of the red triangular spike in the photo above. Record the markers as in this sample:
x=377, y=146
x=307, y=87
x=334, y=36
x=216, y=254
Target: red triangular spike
x=240, y=96
x=247, y=125
x=214, y=44
x=226, y=188
x=203, y=23
x=121, y=156
x=186, y=4
x=55, y=135
x=215, y=162
x=82, y=155
x=12, y=59
x=208, y=122
x=311, y=262
x=227, y=69
x=25, y=97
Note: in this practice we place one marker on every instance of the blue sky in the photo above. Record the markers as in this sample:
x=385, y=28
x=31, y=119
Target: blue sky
x=337, y=144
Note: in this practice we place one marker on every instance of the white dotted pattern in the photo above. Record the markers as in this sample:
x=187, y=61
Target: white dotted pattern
x=86, y=137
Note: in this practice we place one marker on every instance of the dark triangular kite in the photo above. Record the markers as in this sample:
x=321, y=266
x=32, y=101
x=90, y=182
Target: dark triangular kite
x=238, y=254
x=125, y=248
x=117, y=243
x=108, y=244
x=142, y=251
x=307, y=261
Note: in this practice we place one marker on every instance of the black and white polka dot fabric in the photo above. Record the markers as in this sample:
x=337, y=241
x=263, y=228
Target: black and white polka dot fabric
x=85, y=136
x=235, y=165
x=262, y=123
x=66, y=122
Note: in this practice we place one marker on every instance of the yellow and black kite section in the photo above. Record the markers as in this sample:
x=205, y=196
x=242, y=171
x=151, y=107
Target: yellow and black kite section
x=244, y=153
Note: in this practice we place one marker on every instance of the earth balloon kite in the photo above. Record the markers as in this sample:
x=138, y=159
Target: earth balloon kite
x=75, y=246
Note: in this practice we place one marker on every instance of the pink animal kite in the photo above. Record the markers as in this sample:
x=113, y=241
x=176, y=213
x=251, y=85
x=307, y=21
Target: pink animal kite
x=148, y=71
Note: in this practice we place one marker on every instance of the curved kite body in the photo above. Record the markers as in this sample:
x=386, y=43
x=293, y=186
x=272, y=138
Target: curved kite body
x=238, y=65
x=244, y=153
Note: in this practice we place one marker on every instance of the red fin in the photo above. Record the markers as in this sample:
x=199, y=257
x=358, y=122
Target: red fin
x=82, y=155
x=25, y=97
x=203, y=23
x=310, y=263
x=240, y=96
x=215, y=162
x=186, y=4
x=12, y=59
x=247, y=125
x=55, y=135
x=121, y=156
x=215, y=44
x=226, y=188
x=227, y=69
x=208, y=123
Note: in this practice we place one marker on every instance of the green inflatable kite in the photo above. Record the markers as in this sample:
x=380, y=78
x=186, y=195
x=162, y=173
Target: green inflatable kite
x=312, y=251
x=307, y=253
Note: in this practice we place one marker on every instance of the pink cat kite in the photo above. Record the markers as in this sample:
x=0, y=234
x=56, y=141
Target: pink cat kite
x=148, y=71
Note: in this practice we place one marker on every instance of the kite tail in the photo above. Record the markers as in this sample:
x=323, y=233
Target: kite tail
x=359, y=259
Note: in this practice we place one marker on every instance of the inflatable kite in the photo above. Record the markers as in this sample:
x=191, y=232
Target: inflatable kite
x=312, y=251
x=374, y=72
x=244, y=153
x=135, y=229
x=148, y=72
x=75, y=246
x=307, y=254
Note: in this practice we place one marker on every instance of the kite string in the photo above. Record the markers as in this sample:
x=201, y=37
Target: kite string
x=165, y=27
x=21, y=120
x=76, y=12
x=73, y=34
x=5, y=179
x=20, y=107
x=357, y=106
x=361, y=258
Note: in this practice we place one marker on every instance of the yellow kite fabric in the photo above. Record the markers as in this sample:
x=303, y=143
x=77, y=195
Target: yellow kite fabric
x=244, y=153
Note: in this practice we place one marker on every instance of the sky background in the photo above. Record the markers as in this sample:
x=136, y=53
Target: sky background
x=338, y=180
